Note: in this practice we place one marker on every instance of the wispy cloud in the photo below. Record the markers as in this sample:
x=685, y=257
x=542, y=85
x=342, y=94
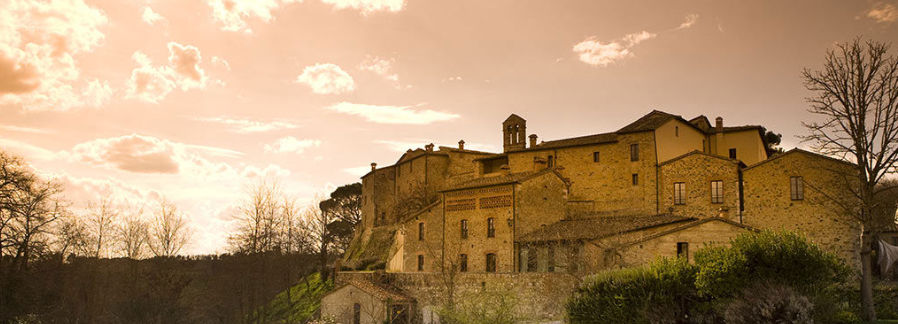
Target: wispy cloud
x=393, y=114
x=290, y=144
x=883, y=13
x=148, y=154
x=26, y=129
x=596, y=53
x=383, y=68
x=232, y=14
x=326, y=78
x=367, y=7
x=151, y=17
x=151, y=83
x=690, y=20
x=244, y=126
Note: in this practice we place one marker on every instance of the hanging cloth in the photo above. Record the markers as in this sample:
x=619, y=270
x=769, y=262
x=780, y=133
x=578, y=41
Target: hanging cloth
x=887, y=254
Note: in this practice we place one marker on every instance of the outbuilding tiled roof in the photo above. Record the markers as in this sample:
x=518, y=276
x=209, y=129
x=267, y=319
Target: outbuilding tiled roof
x=598, y=227
x=577, y=141
x=380, y=292
x=502, y=179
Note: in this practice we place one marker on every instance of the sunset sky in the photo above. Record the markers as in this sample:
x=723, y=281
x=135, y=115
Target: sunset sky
x=193, y=99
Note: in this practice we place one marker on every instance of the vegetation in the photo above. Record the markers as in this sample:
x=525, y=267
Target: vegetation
x=298, y=303
x=804, y=284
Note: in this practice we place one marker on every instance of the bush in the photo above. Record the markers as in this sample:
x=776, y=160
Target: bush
x=720, y=282
x=775, y=257
x=661, y=293
x=765, y=303
x=495, y=306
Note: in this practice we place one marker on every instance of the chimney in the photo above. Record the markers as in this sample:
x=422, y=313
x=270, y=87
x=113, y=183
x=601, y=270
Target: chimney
x=719, y=149
x=461, y=144
x=429, y=147
x=532, y=140
x=719, y=125
x=373, y=166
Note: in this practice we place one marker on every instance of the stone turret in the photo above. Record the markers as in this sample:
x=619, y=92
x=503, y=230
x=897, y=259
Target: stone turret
x=514, y=132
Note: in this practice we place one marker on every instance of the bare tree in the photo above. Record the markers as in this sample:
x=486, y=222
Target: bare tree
x=133, y=233
x=13, y=177
x=37, y=207
x=856, y=95
x=169, y=232
x=71, y=236
x=100, y=222
x=259, y=219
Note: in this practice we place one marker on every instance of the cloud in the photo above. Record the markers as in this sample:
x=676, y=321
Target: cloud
x=367, y=7
x=690, y=20
x=270, y=171
x=454, y=79
x=290, y=144
x=883, y=13
x=393, y=114
x=39, y=41
x=151, y=17
x=32, y=130
x=244, y=126
x=153, y=83
x=147, y=154
x=81, y=190
x=596, y=53
x=232, y=14
x=380, y=67
x=27, y=151
x=326, y=78
x=217, y=61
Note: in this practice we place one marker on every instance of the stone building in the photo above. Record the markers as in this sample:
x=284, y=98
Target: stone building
x=661, y=186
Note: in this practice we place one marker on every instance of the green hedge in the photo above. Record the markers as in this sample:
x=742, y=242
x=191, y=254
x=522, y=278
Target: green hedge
x=674, y=291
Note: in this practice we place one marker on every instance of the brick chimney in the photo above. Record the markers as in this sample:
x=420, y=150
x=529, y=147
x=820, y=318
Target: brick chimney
x=461, y=144
x=719, y=125
x=373, y=166
x=429, y=147
x=533, y=140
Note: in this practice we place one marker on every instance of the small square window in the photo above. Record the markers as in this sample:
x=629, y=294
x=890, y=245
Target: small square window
x=464, y=228
x=683, y=250
x=463, y=263
x=677, y=131
x=420, y=231
x=635, y=179
x=634, y=152
x=716, y=192
x=490, y=227
x=595, y=157
x=733, y=153
x=420, y=262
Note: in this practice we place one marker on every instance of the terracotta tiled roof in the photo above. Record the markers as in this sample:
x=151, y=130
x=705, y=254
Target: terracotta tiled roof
x=599, y=227
x=797, y=150
x=697, y=152
x=577, y=141
x=690, y=225
x=381, y=292
x=650, y=121
x=410, y=154
x=502, y=179
x=727, y=129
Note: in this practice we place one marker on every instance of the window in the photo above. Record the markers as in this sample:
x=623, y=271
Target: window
x=635, y=179
x=550, y=161
x=634, y=152
x=716, y=192
x=420, y=262
x=356, y=313
x=683, y=250
x=796, y=184
x=491, y=262
x=464, y=228
x=679, y=193
x=595, y=157
x=550, y=267
x=677, y=131
x=490, y=227
x=420, y=231
x=733, y=153
x=410, y=165
x=463, y=263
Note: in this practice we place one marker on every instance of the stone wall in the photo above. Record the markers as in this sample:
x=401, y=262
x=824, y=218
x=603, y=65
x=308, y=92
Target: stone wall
x=712, y=232
x=432, y=245
x=541, y=296
x=339, y=305
x=470, y=205
x=768, y=202
x=696, y=171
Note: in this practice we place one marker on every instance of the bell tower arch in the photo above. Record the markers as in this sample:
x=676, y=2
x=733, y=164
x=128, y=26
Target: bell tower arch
x=514, y=133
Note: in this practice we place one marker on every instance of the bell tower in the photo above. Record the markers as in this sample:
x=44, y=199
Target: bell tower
x=514, y=133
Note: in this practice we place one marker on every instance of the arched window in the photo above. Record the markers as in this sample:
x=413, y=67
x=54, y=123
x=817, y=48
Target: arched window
x=491, y=261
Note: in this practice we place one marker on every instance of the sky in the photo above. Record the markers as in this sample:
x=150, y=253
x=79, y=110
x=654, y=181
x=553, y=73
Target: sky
x=194, y=100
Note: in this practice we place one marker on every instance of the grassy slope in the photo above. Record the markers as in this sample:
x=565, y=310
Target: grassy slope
x=304, y=300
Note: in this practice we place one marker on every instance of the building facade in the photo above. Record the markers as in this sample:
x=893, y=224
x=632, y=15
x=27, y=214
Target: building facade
x=661, y=186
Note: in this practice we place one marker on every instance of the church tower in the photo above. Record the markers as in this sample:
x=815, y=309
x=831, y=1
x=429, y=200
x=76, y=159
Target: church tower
x=514, y=133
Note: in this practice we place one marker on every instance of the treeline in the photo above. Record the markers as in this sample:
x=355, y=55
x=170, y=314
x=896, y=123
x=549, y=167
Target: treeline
x=122, y=263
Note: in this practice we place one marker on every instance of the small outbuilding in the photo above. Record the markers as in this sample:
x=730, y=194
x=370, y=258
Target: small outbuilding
x=364, y=302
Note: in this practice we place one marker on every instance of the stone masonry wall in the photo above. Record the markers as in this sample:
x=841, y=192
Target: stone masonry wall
x=697, y=171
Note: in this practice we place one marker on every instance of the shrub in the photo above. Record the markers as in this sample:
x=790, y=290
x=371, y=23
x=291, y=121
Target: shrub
x=775, y=257
x=496, y=306
x=766, y=303
x=661, y=293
